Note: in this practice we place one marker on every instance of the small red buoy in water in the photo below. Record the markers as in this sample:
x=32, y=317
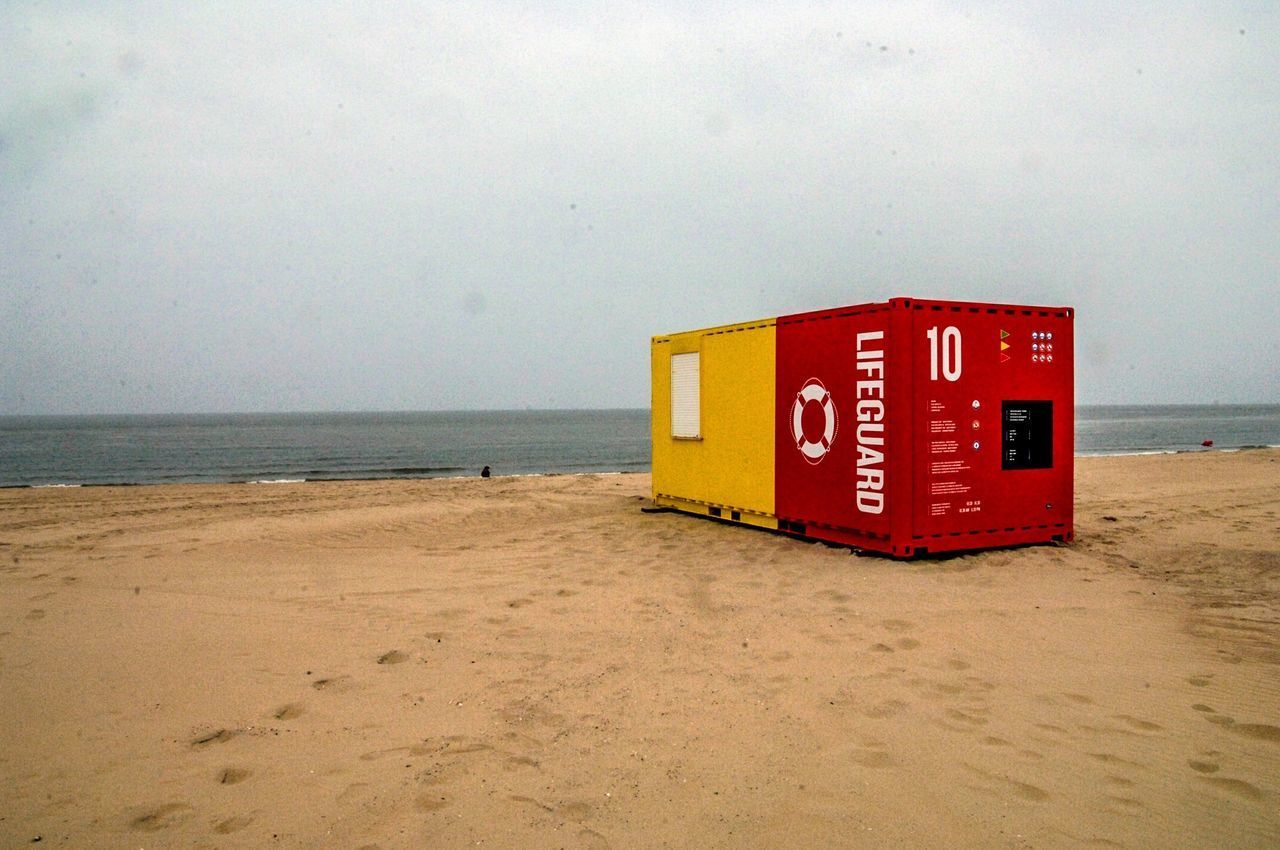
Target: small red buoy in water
x=1208, y=444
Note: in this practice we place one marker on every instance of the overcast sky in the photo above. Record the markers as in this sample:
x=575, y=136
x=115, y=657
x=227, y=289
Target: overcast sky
x=275, y=206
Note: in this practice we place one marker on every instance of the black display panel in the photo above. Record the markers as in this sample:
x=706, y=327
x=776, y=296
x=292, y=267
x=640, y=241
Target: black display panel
x=1026, y=440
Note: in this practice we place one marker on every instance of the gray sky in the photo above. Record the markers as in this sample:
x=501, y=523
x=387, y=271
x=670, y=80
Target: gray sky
x=274, y=206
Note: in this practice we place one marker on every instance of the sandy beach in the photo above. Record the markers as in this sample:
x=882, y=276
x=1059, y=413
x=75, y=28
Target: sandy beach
x=535, y=663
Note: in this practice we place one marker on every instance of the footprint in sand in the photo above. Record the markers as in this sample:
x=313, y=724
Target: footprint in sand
x=1113, y=759
x=1258, y=731
x=1127, y=805
x=353, y=791
x=1025, y=790
x=1238, y=787
x=885, y=709
x=35, y=614
x=963, y=717
x=337, y=684
x=288, y=711
x=232, y=824
x=375, y=755
x=233, y=775
x=578, y=810
x=430, y=803
x=1200, y=681
x=156, y=818
x=395, y=656
x=592, y=840
x=218, y=736
x=519, y=603
x=520, y=798
x=1203, y=766
x=872, y=758
x=1138, y=723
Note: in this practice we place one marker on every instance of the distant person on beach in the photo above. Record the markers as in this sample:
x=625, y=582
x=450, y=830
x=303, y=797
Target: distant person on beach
x=484, y=473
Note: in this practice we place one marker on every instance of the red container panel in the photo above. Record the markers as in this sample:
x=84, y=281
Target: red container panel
x=912, y=426
x=837, y=401
x=992, y=435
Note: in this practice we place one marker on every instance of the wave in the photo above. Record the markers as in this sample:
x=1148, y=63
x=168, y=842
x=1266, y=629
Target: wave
x=1185, y=451
x=380, y=472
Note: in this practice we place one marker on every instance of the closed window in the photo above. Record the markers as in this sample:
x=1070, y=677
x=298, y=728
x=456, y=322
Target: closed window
x=686, y=395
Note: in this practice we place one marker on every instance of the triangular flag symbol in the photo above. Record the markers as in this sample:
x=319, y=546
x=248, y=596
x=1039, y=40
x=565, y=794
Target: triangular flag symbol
x=1004, y=346
x=1004, y=358
x=1003, y=333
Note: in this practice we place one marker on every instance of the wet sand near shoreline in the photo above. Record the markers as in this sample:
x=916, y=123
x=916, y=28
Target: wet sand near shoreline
x=535, y=663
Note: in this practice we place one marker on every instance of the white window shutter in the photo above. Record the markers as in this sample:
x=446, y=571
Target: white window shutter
x=686, y=395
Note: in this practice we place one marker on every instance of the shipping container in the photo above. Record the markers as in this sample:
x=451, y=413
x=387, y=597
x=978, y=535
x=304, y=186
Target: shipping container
x=905, y=427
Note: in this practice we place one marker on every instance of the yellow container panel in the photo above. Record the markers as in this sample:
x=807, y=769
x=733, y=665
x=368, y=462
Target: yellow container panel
x=731, y=464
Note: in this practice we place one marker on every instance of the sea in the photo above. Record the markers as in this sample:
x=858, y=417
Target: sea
x=44, y=451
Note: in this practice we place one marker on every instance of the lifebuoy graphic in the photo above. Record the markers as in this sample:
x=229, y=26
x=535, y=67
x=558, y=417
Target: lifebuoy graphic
x=814, y=450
